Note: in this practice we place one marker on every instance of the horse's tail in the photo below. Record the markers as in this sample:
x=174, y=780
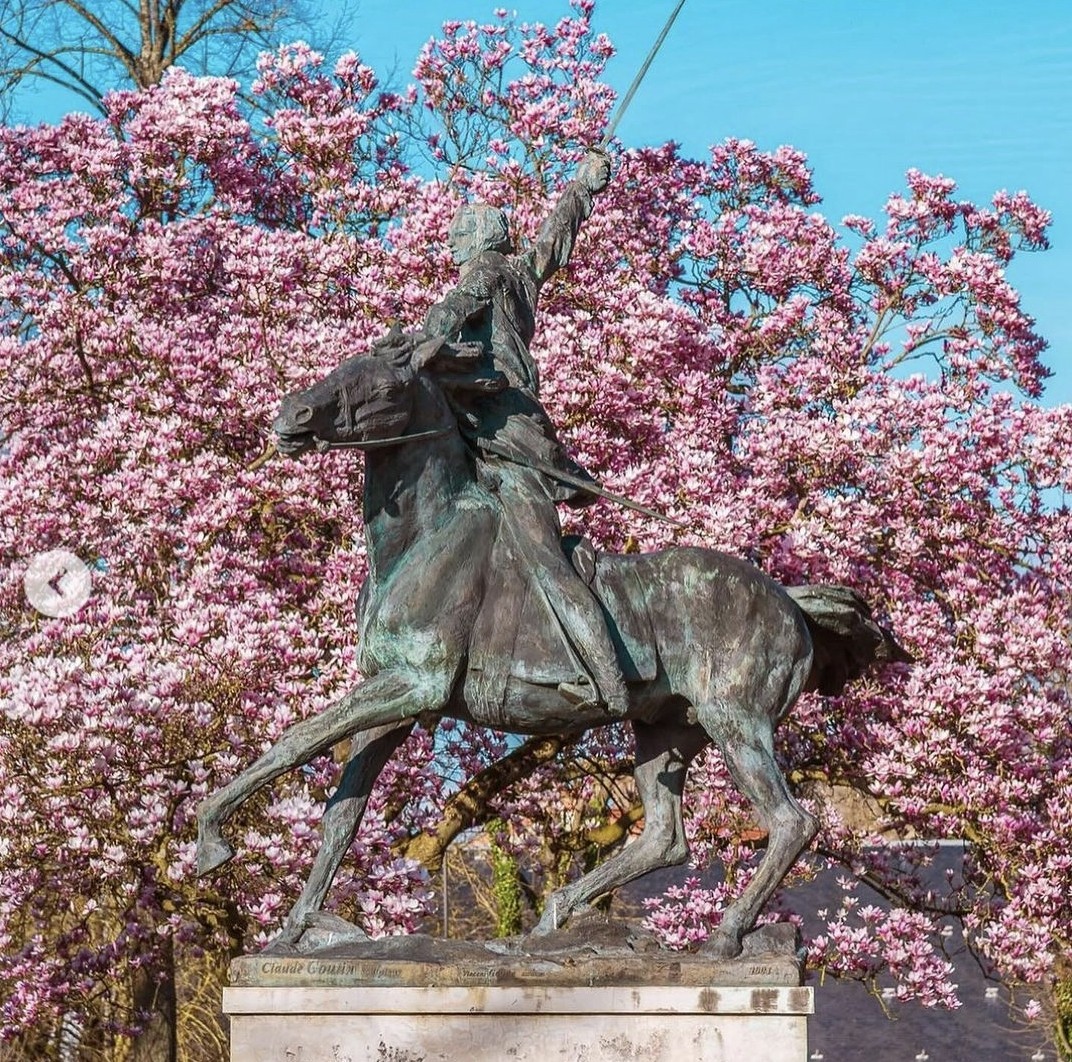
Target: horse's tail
x=845, y=637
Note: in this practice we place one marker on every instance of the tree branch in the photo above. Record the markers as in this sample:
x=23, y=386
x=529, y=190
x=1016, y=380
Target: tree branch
x=78, y=85
x=199, y=28
x=613, y=833
x=472, y=803
x=120, y=50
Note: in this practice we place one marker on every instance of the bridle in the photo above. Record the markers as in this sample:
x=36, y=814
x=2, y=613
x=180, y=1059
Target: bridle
x=323, y=445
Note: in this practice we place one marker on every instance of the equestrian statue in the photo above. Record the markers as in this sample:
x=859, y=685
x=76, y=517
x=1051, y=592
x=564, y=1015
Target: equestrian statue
x=476, y=608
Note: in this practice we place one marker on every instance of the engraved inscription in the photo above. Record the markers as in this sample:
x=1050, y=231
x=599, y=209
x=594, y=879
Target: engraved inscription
x=476, y=975
x=276, y=967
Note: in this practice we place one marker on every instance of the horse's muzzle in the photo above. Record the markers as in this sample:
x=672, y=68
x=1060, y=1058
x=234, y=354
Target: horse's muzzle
x=292, y=440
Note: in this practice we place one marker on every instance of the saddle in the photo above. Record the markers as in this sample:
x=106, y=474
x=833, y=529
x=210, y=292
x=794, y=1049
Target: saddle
x=518, y=634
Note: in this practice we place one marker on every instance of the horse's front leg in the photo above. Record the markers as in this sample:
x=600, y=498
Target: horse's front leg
x=392, y=696
x=342, y=816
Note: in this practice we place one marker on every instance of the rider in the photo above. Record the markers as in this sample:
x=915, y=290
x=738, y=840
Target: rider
x=494, y=304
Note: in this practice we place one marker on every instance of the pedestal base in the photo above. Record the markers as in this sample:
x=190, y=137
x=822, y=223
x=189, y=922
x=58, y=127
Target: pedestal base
x=664, y=1024
x=605, y=995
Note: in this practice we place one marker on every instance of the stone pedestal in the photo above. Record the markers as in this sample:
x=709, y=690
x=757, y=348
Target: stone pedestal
x=423, y=1000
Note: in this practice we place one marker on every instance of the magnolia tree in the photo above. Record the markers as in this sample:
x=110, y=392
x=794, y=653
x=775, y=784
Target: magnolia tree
x=855, y=403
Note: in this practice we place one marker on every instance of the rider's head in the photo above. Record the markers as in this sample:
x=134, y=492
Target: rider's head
x=477, y=228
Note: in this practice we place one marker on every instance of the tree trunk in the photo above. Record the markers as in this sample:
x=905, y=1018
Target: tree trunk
x=154, y=994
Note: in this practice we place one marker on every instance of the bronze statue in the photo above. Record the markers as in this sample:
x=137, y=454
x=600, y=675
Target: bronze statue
x=475, y=608
x=494, y=306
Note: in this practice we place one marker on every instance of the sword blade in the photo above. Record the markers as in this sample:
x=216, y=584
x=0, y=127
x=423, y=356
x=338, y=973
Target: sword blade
x=624, y=105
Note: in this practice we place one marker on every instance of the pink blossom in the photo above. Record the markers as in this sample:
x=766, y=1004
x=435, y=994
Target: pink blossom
x=855, y=404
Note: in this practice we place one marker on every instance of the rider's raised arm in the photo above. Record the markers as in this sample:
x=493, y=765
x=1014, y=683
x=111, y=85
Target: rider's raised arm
x=554, y=245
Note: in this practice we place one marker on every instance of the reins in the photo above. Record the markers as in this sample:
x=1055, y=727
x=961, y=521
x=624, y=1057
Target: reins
x=323, y=445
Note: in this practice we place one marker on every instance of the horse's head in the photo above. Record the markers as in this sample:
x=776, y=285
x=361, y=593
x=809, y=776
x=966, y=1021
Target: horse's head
x=365, y=399
x=372, y=400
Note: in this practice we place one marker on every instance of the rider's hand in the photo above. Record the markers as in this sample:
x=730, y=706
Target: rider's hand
x=594, y=172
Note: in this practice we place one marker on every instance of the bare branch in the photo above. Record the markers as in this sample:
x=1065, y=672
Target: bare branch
x=134, y=40
x=120, y=50
x=200, y=28
x=77, y=83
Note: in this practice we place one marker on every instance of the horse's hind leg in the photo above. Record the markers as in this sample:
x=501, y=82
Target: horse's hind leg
x=746, y=739
x=342, y=816
x=663, y=754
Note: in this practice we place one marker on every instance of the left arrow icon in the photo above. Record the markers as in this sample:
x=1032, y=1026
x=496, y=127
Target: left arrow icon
x=57, y=583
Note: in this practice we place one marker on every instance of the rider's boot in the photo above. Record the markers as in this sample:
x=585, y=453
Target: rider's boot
x=580, y=694
x=583, y=619
x=608, y=690
x=568, y=593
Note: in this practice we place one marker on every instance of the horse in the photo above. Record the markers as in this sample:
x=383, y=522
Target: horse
x=713, y=650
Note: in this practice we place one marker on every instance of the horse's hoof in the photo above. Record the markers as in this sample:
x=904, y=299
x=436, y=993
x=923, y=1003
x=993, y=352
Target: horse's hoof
x=555, y=916
x=280, y=945
x=721, y=946
x=285, y=942
x=326, y=930
x=212, y=854
x=546, y=925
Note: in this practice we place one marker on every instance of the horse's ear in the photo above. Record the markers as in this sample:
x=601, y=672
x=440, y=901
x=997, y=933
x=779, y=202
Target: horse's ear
x=395, y=347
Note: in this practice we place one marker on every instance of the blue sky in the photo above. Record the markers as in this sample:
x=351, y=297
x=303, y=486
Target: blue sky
x=979, y=90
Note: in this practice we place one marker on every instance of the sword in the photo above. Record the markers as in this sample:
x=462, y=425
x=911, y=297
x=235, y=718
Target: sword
x=588, y=486
x=623, y=106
